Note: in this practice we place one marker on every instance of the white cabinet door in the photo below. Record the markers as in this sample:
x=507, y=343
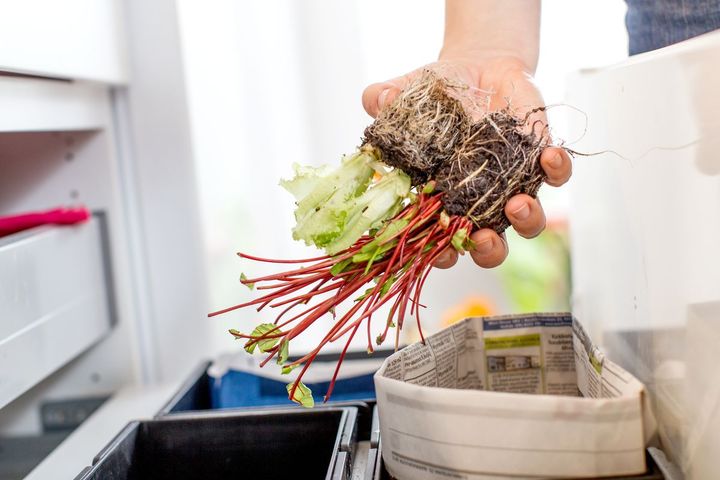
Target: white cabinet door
x=54, y=302
x=78, y=39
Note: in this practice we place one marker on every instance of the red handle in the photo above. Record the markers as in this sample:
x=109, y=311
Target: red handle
x=56, y=216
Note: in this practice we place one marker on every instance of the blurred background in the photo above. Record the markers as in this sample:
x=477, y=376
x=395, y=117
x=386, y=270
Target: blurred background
x=272, y=83
x=174, y=121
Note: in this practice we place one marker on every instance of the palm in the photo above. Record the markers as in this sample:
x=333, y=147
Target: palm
x=495, y=83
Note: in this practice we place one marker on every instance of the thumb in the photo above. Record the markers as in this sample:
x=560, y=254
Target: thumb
x=377, y=95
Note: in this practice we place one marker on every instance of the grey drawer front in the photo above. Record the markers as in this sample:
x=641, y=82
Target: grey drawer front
x=54, y=301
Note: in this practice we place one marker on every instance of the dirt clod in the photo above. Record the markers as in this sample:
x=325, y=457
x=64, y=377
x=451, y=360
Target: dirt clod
x=428, y=133
x=421, y=129
x=495, y=162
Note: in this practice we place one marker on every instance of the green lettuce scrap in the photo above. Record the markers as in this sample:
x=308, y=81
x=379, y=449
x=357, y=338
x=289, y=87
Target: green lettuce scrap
x=264, y=344
x=243, y=280
x=303, y=395
x=283, y=351
x=461, y=241
x=335, y=207
x=286, y=369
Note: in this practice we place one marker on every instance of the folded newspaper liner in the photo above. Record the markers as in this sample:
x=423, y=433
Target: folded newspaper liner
x=525, y=396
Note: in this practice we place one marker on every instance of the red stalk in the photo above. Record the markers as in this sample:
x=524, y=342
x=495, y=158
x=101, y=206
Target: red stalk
x=407, y=264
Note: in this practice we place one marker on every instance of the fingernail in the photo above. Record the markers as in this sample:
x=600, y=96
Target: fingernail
x=382, y=97
x=484, y=247
x=522, y=213
x=556, y=161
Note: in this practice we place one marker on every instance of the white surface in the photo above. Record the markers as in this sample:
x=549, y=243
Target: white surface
x=50, y=105
x=79, y=449
x=41, y=170
x=130, y=158
x=124, y=152
x=161, y=196
x=80, y=39
x=53, y=301
x=645, y=231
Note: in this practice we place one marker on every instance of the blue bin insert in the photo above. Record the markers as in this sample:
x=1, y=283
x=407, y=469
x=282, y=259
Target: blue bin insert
x=237, y=389
x=243, y=389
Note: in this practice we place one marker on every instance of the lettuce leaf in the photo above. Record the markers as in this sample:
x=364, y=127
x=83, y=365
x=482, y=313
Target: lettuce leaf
x=335, y=207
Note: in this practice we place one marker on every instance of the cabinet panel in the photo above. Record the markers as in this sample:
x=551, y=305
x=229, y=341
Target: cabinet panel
x=78, y=39
x=54, y=301
x=33, y=105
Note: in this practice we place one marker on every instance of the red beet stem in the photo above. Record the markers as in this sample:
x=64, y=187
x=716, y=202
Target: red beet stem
x=407, y=265
x=276, y=260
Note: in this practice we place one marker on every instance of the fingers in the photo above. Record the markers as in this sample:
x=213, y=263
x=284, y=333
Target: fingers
x=377, y=95
x=556, y=163
x=447, y=258
x=490, y=251
x=526, y=215
x=490, y=248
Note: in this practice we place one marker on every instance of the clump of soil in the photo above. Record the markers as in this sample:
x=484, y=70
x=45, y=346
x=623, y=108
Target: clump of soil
x=422, y=128
x=429, y=134
x=495, y=162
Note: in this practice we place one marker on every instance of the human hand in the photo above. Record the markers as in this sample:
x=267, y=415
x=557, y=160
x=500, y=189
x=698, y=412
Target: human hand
x=502, y=79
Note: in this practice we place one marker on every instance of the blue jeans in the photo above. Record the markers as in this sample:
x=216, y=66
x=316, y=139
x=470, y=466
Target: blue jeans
x=653, y=24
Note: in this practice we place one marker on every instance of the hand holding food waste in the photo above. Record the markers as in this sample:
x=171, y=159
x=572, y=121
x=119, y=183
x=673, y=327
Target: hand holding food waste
x=494, y=82
x=430, y=172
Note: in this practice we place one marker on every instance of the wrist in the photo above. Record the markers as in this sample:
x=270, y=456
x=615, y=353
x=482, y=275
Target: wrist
x=481, y=30
x=498, y=59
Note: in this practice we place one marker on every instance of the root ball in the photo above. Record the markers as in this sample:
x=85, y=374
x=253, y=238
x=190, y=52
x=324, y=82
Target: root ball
x=422, y=128
x=428, y=133
x=496, y=161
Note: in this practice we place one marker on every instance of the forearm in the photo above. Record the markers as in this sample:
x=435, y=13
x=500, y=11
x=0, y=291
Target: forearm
x=485, y=29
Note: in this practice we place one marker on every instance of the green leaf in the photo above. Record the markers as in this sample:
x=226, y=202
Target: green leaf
x=386, y=286
x=289, y=368
x=458, y=239
x=283, y=351
x=340, y=267
x=461, y=241
x=243, y=280
x=364, y=295
x=429, y=187
x=380, y=245
x=336, y=207
x=363, y=257
x=381, y=201
x=264, y=344
x=390, y=231
x=235, y=333
x=303, y=395
x=323, y=195
x=305, y=181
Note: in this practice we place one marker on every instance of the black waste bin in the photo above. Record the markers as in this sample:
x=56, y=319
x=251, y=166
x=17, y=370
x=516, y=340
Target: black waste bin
x=272, y=444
